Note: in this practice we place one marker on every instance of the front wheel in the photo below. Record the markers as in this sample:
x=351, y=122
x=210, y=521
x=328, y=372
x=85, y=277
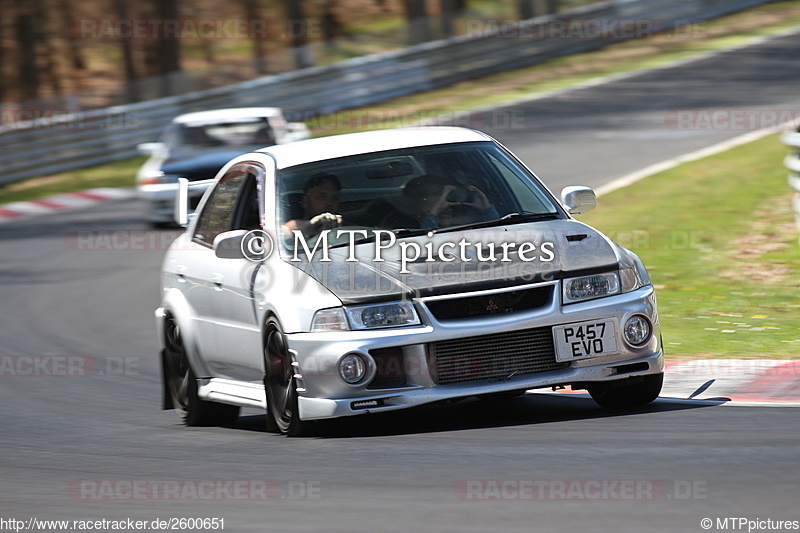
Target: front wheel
x=630, y=392
x=181, y=386
x=282, y=410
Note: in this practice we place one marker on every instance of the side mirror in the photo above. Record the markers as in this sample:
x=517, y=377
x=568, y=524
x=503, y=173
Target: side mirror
x=151, y=148
x=181, y=213
x=186, y=190
x=577, y=200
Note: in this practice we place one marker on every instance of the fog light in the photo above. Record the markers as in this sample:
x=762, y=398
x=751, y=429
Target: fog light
x=637, y=330
x=352, y=368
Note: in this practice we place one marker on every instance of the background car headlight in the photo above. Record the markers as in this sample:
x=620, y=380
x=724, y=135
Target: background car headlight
x=637, y=330
x=590, y=287
x=156, y=177
x=329, y=320
x=352, y=368
x=386, y=315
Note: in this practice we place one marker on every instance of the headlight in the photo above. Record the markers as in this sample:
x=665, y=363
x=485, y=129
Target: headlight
x=329, y=320
x=352, y=368
x=637, y=330
x=387, y=315
x=590, y=287
x=632, y=272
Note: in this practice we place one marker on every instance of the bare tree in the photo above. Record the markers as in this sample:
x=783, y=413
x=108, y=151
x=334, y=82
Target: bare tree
x=3, y=74
x=73, y=49
x=418, y=24
x=44, y=38
x=546, y=7
x=28, y=79
x=450, y=11
x=299, y=33
x=131, y=89
x=525, y=9
x=169, y=48
x=253, y=14
x=332, y=27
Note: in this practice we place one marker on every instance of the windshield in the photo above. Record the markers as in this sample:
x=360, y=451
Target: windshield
x=198, y=136
x=409, y=191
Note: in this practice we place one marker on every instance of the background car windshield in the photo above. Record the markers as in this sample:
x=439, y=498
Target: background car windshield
x=400, y=189
x=255, y=132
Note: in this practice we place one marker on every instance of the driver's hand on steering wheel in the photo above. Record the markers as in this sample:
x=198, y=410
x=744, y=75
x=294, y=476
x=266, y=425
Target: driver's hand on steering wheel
x=324, y=221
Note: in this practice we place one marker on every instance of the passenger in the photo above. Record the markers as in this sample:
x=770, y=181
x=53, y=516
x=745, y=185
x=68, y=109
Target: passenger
x=429, y=202
x=320, y=201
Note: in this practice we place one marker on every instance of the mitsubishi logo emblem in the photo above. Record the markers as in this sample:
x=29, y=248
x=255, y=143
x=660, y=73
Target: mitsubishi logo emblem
x=492, y=306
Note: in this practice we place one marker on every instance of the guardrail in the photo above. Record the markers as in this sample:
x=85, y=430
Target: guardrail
x=792, y=162
x=66, y=142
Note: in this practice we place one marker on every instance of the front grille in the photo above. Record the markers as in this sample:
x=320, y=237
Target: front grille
x=390, y=368
x=491, y=304
x=493, y=357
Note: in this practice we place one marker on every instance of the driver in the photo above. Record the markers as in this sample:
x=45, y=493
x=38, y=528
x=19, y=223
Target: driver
x=429, y=202
x=320, y=201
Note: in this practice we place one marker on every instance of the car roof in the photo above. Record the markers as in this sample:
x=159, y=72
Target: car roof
x=319, y=149
x=228, y=114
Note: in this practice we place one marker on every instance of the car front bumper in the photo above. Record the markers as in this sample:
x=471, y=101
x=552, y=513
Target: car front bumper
x=322, y=394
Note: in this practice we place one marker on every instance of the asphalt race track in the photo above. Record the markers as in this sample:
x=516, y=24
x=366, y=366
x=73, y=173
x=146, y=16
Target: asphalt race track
x=83, y=437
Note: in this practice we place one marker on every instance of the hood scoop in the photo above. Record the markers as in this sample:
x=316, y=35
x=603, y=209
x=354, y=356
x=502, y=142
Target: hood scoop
x=577, y=237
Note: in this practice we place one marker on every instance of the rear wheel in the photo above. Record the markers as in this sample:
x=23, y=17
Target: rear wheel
x=630, y=392
x=182, y=386
x=282, y=410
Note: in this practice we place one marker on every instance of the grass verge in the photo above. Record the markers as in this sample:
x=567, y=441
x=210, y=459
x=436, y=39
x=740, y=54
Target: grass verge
x=491, y=90
x=719, y=239
x=117, y=174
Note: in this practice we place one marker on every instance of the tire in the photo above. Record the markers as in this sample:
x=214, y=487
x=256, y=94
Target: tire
x=283, y=414
x=630, y=392
x=181, y=386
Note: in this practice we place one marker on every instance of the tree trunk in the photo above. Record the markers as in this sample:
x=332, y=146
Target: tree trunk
x=25, y=36
x=73, y=49
x=3, y=74
x=525, y=9
x=299, y=33
x=131, y=76
x=169, y=48
x=44, y=38
x=259, y=35
x=545, y=7
x=418, y=24
x=332, y=27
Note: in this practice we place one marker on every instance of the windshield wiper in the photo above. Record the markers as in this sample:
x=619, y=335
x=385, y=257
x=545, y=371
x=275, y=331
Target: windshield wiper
x=511, y=218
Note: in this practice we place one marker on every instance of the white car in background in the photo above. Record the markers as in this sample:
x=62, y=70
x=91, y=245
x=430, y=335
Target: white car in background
x=442, y=268
x=196, y=145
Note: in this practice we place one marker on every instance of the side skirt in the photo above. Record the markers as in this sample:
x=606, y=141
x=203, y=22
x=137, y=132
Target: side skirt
x=232, y=392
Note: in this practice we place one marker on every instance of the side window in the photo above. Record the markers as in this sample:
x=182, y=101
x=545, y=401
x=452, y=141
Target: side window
x=218, y=211
x=246, y=211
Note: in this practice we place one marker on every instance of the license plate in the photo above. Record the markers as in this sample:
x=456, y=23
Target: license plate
x=586, y=339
